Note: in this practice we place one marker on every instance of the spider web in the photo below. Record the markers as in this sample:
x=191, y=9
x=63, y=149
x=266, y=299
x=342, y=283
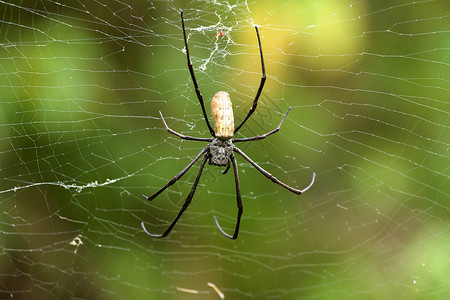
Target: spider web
x=81, y=140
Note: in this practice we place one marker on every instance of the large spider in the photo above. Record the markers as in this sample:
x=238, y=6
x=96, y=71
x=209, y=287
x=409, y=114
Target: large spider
x=219, y=151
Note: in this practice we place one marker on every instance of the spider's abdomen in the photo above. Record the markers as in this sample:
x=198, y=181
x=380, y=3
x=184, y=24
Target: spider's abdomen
x=222, y=115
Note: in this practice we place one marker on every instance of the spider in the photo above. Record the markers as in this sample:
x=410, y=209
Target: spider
x=221, y=34
x=220, y=150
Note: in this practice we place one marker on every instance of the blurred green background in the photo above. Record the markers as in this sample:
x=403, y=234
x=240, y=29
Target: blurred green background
x=81, y=84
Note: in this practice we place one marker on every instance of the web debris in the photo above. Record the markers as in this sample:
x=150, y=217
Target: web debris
x=212, y=285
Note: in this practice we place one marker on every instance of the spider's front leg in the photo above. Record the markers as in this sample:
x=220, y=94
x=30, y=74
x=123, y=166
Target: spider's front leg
x=273, y=178
x=185, y=205
x=239, y=203
x=178, y=176
x=226, y=169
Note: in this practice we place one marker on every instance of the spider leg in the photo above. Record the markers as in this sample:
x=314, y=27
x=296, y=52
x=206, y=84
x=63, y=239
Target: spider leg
x=178, y=176
x=194, y=80
x=261, y=85
x=239, y=203
x=260, y=137
x=185, y=205
x=182, y=136
x=226, y=169
x=271, y=177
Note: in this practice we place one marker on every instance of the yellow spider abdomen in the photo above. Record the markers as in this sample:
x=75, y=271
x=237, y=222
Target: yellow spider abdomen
x=222, y=115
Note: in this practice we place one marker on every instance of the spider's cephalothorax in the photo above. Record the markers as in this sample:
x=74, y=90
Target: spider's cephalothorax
x=220, y=150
